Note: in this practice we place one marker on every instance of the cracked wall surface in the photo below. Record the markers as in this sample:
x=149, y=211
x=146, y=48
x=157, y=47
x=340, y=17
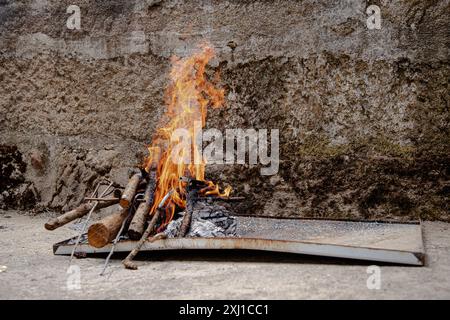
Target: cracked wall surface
x=363, y=114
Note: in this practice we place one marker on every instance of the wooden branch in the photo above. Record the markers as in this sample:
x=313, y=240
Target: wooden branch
x=137, y=225
x=192, y=189
x=76, y=213
x=130, y=190
x=104, y=231
x=128, y=262
x=185, y=224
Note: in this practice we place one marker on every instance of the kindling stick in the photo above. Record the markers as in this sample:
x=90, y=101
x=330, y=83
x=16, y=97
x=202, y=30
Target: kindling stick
x=86, y=222
x=115, y=241
x=94, y=193
x=76, y=213
x=130, y=213
x=140, y=216
x=128, y=261
x=130, y=190
x=80, y=211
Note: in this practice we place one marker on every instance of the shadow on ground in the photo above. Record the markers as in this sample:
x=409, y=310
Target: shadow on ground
x=237, y=256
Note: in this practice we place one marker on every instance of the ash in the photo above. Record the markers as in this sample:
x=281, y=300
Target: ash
x=208, y=220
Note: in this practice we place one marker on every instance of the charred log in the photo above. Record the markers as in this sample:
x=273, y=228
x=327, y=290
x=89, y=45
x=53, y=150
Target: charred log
x=193, y=188
x=137, y=225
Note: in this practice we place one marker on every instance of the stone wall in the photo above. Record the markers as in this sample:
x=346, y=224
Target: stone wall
x=363, y=114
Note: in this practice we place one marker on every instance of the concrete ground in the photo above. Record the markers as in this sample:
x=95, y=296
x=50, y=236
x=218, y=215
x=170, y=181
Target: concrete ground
x=33, y=272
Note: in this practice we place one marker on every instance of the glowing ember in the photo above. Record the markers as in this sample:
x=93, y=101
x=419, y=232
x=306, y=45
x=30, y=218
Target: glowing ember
x=188, y=97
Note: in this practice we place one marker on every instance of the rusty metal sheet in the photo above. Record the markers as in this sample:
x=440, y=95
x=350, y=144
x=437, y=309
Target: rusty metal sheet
x=373, y=241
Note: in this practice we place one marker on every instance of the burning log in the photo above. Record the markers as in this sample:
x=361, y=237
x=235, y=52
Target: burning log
x=76, y=213
x=104, y=231
x=186, y=223
x=138, y=223
x=130, y=190
x=193, y=187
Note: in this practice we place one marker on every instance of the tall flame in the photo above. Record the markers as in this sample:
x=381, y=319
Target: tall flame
x=187, y=98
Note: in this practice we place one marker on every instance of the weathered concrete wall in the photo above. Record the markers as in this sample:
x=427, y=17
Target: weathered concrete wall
x=363, y=114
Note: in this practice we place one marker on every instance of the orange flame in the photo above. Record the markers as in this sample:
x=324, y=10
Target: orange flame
x=188, y=96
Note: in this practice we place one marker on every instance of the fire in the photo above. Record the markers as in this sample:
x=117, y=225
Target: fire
x=188, y=97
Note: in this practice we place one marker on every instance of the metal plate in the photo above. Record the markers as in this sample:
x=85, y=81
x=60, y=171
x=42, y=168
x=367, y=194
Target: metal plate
x=373, y=241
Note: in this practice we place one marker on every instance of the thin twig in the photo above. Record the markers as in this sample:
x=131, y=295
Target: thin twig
x=94, y=193
x=86, y=222
x=131, y=209
x=115, y=241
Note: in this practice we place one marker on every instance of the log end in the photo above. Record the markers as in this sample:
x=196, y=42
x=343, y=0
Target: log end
x=51, y=225
x=128, y=264
x=98, y=235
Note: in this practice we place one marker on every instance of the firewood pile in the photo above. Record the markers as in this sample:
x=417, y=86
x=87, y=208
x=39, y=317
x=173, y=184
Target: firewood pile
x=169, y=196
x=137, y=217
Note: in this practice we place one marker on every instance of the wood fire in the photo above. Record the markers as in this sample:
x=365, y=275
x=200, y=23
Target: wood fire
x=171, y=180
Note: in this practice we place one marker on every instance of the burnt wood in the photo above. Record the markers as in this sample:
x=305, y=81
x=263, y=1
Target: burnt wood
x=137, y=225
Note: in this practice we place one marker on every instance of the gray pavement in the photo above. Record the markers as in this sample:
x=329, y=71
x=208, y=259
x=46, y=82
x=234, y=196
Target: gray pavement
x=33, y=272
